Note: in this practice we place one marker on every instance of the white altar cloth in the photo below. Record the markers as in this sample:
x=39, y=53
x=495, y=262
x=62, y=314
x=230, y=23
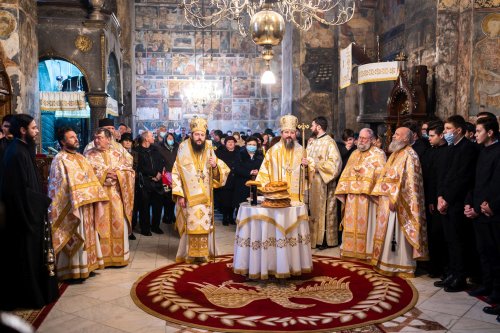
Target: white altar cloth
x=272, y=241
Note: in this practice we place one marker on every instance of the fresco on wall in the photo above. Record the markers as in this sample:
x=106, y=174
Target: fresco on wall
x=486, y=64
x=169, y=54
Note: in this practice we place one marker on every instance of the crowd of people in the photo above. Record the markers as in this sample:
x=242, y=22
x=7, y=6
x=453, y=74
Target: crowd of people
x=421, y=199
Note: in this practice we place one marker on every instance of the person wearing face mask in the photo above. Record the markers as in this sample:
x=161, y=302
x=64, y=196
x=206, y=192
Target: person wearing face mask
x=451, y=193
x=246, y=168
x=230, y=155
x=168, y=150
x=161, y=133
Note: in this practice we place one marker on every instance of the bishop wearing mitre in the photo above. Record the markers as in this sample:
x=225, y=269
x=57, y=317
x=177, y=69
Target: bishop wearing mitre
x=283, y=161
x=195, y=173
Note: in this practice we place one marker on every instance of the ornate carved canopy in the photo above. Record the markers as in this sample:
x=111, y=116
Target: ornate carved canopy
x=5, y=91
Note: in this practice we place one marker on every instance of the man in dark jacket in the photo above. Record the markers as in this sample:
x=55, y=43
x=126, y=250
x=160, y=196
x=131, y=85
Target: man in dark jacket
x=27, y=280
x=434, y=167
x=149, y=169
x=420, y=144
x=458, y=181
x=486, y=223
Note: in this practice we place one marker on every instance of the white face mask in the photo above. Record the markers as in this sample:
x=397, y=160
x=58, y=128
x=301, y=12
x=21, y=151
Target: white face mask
x=163, y=134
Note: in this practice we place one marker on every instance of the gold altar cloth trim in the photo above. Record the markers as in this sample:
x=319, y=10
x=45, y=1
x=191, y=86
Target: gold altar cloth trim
x=265, y=218
x=62, y=101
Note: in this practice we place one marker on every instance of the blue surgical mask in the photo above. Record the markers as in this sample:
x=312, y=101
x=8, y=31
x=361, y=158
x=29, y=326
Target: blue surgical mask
x=449, y=137
x=170, y=142
x=251, y=149
x=425, y=136
x=163, y=134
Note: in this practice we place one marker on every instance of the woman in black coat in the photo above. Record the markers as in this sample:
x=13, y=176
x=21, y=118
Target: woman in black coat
x=246, y=169
x=168, y=149
x=229, y=153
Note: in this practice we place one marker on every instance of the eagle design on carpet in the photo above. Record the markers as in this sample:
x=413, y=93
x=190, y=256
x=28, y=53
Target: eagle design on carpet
x=229, y=294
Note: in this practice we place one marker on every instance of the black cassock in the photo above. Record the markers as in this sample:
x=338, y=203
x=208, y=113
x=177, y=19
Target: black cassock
x=25, y=280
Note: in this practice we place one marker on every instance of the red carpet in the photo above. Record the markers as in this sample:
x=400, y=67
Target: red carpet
x=36, y=317
x=337, y=295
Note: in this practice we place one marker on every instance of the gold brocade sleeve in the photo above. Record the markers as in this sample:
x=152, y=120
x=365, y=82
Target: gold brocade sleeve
x=126, y=179
x=329, y=168
x=389, y=182
x=411, y=206
x=223, y=172
x=265, y=169
x=177, y=190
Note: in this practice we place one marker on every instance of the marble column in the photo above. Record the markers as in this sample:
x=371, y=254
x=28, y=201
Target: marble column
x=97, y=103
x=19, y=53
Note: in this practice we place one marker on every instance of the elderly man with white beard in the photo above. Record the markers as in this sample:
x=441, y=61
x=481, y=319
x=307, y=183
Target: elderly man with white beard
x=353, y=190
x=401, y=230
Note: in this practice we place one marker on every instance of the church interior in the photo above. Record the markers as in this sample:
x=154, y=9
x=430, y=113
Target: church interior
x=152, y=63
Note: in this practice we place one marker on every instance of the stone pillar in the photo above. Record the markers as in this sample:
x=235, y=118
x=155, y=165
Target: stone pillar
x=19, y=53
x=126, y=17
x=447, y=41
x=97, y=103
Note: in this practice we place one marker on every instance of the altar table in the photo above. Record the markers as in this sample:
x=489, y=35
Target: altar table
x=272, y=241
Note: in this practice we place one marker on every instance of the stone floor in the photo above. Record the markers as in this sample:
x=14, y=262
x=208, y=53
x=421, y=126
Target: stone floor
x=102, y=303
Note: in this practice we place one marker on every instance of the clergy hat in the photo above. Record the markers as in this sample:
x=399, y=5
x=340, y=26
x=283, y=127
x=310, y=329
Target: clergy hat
x=289, y=122
x=198, y=124
x=126, y=136
x=106, y=122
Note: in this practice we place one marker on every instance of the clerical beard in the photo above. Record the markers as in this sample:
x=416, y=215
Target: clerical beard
x=363, y=146
x=198, y=148
x=30, y=140
x=289, y=143
x=396, y=146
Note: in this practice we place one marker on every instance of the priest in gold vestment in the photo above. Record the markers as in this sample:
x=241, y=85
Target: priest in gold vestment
x=353, y=190
x=73, y=188
x=195, y=173
x=322, y=204
x=113, y=218
x=401, y=229
x=109, y=125
x=284, y=161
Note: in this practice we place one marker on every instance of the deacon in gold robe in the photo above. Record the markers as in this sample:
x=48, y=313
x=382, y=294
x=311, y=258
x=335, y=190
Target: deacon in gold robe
x=353, y=190
x=73, y=188
x=109, y=125
x=285, y=160
x=113, y=218
x=195, y=173
x=322, y=204
x=401, y=230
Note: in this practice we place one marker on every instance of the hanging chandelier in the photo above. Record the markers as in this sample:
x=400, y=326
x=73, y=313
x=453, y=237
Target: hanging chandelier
x=302, y=13
x=200, y=92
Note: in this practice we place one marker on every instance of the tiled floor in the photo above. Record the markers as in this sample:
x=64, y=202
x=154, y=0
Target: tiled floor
x=102, y=303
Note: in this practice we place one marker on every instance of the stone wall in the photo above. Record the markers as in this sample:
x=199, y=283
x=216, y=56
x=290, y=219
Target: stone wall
x=19, y=52
x=456, y=40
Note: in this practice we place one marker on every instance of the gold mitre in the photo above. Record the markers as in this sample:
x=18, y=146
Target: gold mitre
x=289, y=122
x=198, y=124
